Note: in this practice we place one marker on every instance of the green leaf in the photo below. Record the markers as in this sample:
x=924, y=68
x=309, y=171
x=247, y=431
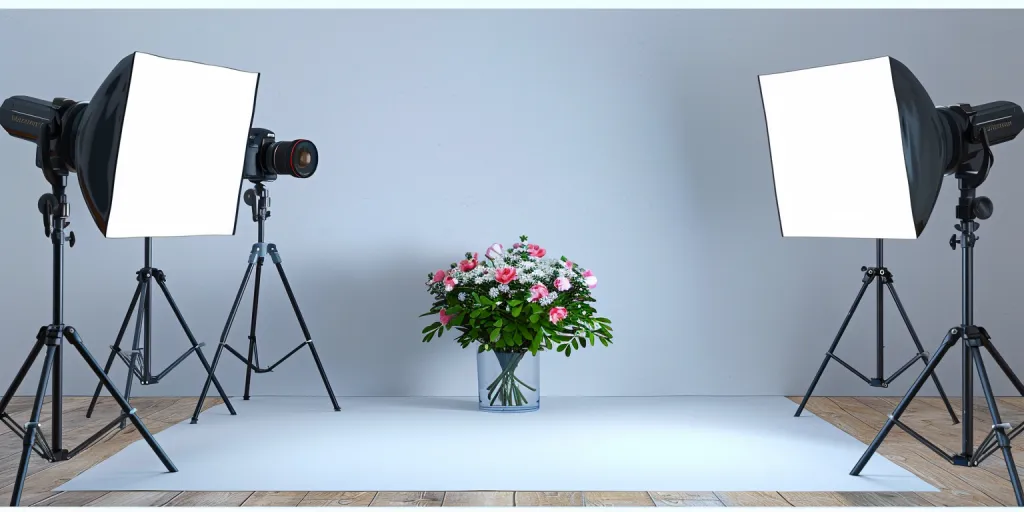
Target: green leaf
x=515, y=302
x=516, y=310
x=590, y=336
x=499, y=322
x=523, y=330
x=575, y=344
x=604, y=342
x=428, y=313
x=561, y=348
x=476, y=313
x=583, y=342
x=431, y=327
x=568, y=350
x=517, y=339
x=534, y=318
x=602, y=320
x=429, y=336
x=495, y=334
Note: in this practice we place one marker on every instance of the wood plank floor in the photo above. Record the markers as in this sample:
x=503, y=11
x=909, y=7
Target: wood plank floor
x=861, y=418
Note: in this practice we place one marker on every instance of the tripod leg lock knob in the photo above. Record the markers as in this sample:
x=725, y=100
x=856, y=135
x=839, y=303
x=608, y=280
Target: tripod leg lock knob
x=1004, y=426
x=132, y=412
x=31, y=424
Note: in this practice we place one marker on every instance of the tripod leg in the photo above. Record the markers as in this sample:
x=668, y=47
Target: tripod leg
x=195, y=344
x=116, y=347
x=224, y=337
x=72, y=336
x=252, y=326
x=32, y=429
x=998, y=426
x=1003, y=365
x=835, y=343
x=276, y=257
x=140, y=320
x=952, y=336
x=920, y=350
x=23, y=371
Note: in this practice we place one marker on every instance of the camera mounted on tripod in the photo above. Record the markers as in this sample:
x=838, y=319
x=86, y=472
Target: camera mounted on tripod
x=266, y=157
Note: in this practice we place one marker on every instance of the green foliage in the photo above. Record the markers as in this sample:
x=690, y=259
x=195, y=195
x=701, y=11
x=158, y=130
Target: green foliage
x=506, y=319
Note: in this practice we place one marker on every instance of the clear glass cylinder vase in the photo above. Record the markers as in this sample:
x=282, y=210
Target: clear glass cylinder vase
x=508, y=381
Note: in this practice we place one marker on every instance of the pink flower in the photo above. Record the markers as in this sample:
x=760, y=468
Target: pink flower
x=467, y=265
x=535, y=250
x=557, y=314
x=505, y=275
x=562, y=284
x=445, y=317
x=494, y=251
x=439, y=276
x=517, y=245
x=590, y=279
x=568, y=264
x=538, y=292
x=449, y=283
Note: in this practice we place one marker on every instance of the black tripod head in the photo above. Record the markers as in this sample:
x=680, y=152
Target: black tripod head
x=51, y=158
x=258, y=199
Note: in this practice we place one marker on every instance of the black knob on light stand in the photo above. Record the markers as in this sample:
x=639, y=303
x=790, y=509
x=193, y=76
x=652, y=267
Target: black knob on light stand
x=982, y=207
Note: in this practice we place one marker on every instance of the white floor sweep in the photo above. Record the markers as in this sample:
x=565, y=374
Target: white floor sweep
x=445, y=444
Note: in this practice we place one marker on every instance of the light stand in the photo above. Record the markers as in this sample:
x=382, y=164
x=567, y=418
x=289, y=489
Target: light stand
x=258, y=198
x=974, y=338
x=139, y=362
x=882, y=278
x=56, y=215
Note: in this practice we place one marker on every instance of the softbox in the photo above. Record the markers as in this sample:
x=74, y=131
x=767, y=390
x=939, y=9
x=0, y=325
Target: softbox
x=858, y=150
x=159, y=149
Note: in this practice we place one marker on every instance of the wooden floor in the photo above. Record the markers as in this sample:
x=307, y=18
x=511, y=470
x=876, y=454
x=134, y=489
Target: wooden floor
x=987, y=485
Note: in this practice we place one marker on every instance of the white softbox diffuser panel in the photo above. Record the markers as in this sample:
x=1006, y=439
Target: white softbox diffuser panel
x=182, y=146
x=837, y=152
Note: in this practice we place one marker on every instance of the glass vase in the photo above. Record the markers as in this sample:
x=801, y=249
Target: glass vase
x=508, y=381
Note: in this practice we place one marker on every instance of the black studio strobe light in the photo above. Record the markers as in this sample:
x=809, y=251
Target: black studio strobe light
x=877, y=175
x=138, y=182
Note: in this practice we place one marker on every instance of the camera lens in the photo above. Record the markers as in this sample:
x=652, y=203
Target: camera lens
x=296, y=158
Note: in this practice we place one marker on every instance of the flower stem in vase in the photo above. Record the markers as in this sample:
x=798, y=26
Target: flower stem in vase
x=506, y=386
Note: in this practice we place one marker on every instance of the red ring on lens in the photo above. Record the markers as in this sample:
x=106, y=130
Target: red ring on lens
x=291, y=156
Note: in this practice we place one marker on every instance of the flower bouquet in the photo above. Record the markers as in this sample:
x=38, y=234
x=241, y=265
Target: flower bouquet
x=515, y=304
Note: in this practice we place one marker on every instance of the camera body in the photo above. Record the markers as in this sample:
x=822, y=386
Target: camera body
x=266, y=158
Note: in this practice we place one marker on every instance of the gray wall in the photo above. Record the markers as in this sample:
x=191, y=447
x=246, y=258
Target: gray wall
x=630, y=141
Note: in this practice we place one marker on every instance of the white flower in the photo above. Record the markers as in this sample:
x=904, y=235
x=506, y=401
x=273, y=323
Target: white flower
x=503, y=288
x=462, y=296
x=493, y=292
x=548, y=299
x=494, y=251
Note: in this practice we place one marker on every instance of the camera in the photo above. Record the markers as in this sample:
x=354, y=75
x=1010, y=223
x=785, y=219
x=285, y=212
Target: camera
x=266, y=157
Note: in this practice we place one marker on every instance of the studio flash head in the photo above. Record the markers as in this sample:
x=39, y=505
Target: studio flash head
x=266, y=157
